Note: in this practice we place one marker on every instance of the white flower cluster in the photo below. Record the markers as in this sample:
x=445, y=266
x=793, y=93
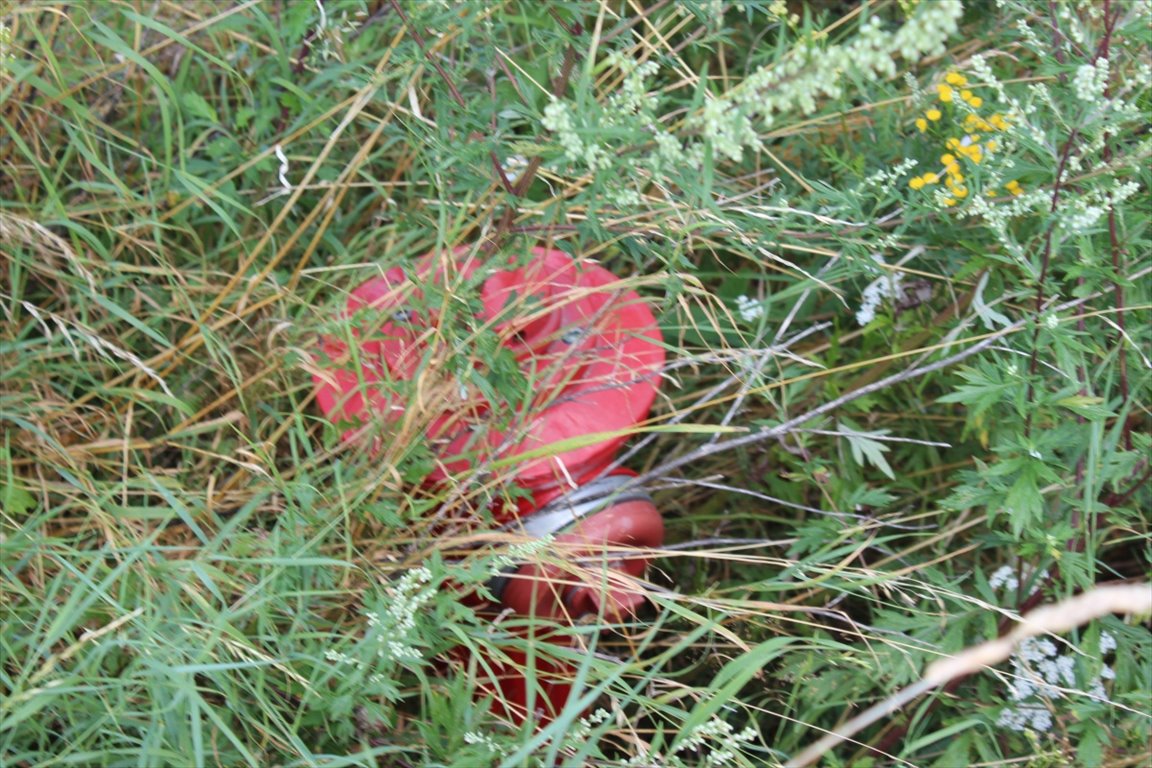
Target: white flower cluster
x=727, y=124
x=750, y=310
x=1072, y=25
x=1028, y=35
x=714, y=743
x=1080, y=214
x=888, y=178
x=558, y=120
x=1091, y=80
x=483, y=739
x=1040, y=676
x=343, y=658
x=1004, y=576
x=728, y=130
x=809, y=73
x=578, y=734
x=393, y=630
x=631, y=104
x=632, y=96
x=719, y=731
x=395, y=627
x=518, y=553
x=629, y=101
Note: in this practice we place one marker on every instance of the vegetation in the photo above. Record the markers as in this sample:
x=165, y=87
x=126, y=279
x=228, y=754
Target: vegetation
x=899, y=252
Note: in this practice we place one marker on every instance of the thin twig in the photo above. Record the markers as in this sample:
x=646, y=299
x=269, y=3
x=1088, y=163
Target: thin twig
x=773, y=433
x=711, y=394
x=1131, y=599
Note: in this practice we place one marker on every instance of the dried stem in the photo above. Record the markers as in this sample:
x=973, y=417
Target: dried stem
x=1130, y=599
x=784, y=428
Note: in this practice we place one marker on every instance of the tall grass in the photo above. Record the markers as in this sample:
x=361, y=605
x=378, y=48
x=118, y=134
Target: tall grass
x=907, y=398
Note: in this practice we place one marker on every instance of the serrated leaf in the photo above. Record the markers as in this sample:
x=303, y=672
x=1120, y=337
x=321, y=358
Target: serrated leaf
x=1024, y=502
x=865, y=449
x=1083, y=405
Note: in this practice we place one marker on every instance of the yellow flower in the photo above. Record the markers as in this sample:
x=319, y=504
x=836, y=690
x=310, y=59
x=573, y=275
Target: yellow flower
x=944, y=92
x=922, y=124
x=991, y=145
x=947, y=160
x=931, y=178
x=998, y=122
x=916, y=183
x=949, y=201
x=933, y=114
x=970, y=150
x=976, y=123
x=991, y=192
x=976, y=102
x=955, y=78
x=966, y=94
x=1013, y=187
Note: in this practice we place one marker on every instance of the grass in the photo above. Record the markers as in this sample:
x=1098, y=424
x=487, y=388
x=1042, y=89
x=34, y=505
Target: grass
x=907, y=398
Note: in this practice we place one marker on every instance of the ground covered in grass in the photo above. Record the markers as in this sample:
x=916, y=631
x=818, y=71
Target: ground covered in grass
x=899, y=254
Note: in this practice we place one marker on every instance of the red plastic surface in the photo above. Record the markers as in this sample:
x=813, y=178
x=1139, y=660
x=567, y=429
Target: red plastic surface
x=592, y=353
x=565, y=593
x=590, y=348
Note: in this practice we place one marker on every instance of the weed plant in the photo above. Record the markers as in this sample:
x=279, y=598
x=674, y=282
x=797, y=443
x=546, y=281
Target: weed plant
x=900, y=255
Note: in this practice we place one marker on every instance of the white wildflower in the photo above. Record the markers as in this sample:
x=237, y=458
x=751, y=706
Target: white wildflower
x=1028, y=36
x=632, y=96
x=750, y=310
x=885, y=178
x=727, y=129
x=558, y=120
x=1080, y=216
x=1041, y=674
x=1004, y=576
x=394, y=628
x=343, y=658
x=1090, y=81
x=1122, y=192
x=1030, y=718
x=484, y=740
x=518, y=553
x=714, y=742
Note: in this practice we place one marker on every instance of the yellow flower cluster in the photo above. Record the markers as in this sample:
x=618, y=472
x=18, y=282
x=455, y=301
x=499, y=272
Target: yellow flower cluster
x=972, y=147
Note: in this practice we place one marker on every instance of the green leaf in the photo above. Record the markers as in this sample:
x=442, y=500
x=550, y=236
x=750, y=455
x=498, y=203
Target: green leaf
x=865, y=449
x=15, y=500
x=1089, y=407
x=198, y=106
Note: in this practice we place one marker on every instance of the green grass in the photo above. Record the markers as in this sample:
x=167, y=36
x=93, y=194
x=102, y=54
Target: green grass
x=190, y=554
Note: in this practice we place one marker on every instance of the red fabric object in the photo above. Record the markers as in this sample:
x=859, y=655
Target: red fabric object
x=593, y=354
x=591, y=348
